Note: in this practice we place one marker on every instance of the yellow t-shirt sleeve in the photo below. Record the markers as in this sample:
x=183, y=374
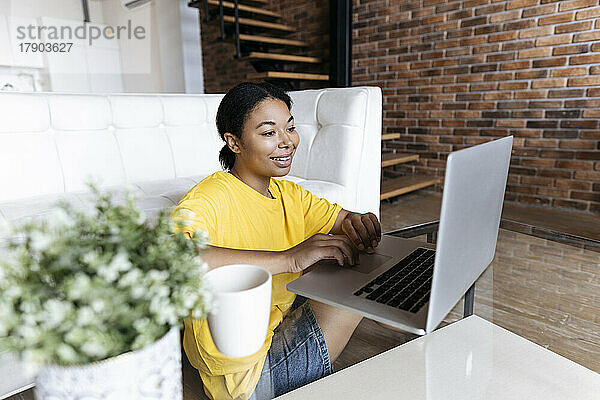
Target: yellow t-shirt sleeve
x=196, y=215
x=319, y=214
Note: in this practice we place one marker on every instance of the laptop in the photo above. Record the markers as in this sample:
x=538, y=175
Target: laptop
x=413, y=285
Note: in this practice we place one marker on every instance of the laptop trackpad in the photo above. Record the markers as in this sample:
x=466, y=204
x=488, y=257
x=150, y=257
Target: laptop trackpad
x=370, y=262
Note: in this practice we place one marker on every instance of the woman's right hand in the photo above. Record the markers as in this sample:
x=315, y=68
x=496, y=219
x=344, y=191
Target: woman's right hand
x=321, y=247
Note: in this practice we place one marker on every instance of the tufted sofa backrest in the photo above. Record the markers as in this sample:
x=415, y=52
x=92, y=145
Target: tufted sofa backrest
x=53, y=143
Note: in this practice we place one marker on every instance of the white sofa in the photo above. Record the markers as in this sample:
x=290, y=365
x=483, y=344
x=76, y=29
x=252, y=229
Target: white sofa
x=162, y=145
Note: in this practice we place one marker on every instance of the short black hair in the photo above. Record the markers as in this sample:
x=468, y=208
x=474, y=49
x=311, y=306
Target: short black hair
x=236, y=107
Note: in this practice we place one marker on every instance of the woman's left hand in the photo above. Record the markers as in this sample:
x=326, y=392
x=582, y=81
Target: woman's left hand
x=363, y=230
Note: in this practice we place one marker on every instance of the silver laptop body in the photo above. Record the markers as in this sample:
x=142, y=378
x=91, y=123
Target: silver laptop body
x=472, y=201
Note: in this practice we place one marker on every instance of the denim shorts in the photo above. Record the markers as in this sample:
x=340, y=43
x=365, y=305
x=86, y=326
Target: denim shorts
x=298, y=354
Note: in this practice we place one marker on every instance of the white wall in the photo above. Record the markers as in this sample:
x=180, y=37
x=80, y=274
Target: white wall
x=88, y=67
x=192, y=48
x=171, y=61
x=167, y=20
x=25, y=70
x=41, y=67
x=64, y=9
x=140, y=59
x=179, y=43
x=168, y=60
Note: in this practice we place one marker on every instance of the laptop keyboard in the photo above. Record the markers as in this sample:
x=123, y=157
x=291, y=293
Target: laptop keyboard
x=406, y=285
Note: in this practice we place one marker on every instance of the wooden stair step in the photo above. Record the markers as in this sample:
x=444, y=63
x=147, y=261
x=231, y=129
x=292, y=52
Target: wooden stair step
x=405, y=184
x=198, y=3
x=259, y=24
x=255, y=55
x=273, y=40
x=388, y=159
x=390, y=136
x=241, y=7
x=288, y=75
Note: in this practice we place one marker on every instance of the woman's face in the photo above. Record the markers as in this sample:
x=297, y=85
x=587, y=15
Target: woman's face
x=269, y=140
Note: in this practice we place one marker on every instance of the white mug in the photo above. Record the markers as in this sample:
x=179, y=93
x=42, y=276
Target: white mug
x=239, y=320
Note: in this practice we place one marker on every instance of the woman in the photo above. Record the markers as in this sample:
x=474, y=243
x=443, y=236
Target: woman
x=252, y=218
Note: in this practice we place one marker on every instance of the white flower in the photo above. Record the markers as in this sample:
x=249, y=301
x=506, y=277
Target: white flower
x=141, y=324
x=34, y=356
x=108, y=273
x=28, y=308
x=121, y=262
x=141, y=218
x=56, y=311
x=8, y=318
x=203, y=265
x=158, y=276
x=29, y=333
x=9, y=263
x=91, y=258
x=167, y=314
x=59, y=219
x=184, y=216
x=76, y=336
x=207, y=297
x=156, y=304
x=66, y=353
x=130, y=277
x=160, y=292
x=85, y=316
x=137, y=291
x=130, y=192
x=79, y=287
x=40, y=241
x=98, y=305
x=89, y=209
x=94, y=348
x=204, y=238
x=30, y=319
x=189, y=300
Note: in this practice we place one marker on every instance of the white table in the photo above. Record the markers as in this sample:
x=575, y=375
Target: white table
x=469, y=359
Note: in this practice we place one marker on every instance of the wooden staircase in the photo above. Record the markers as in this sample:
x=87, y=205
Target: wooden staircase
x=403, y=184
x=257, y=34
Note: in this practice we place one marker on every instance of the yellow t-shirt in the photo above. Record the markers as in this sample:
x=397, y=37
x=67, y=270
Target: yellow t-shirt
x=238, y=217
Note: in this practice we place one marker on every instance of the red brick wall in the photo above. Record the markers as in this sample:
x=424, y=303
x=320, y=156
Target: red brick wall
x=458, y=73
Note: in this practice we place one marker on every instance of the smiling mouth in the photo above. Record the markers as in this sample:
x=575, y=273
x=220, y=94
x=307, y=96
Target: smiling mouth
x=286, y=158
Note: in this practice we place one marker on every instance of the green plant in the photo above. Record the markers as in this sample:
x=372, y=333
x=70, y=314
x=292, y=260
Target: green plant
x=85, y=285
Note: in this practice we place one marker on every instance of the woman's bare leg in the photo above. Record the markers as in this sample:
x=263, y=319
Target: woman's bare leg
x=337, y=325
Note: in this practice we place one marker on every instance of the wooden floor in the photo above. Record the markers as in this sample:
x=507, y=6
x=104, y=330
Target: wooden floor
x=542, y=290
x=426, y=206
x=545, y=291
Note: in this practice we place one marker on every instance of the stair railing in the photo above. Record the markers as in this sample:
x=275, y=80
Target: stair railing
x=222, y=19
x=222, y=23
x=237, y=29
x=206, y=12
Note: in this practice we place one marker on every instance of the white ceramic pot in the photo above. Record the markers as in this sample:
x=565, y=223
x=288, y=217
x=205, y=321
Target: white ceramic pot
x=153, y=372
